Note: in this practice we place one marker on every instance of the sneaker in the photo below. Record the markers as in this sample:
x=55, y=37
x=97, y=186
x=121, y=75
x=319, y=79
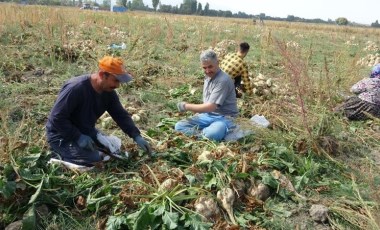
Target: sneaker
x=69, y=165
x=120, y=155
x=104, y=156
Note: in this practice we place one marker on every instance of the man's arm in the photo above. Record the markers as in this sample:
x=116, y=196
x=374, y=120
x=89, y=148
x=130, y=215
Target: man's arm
x=360, y=86
x=125, y=122
x=200, y=108
x=247, y=83
x=68, y=99
x=122, y=117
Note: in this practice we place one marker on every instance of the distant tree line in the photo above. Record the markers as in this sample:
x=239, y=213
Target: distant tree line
x=375, y=24
x=188, y=7
x=192, y=7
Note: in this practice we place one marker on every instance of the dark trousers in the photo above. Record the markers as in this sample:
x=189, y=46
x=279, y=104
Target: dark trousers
x=70, y=151
x=238, y=89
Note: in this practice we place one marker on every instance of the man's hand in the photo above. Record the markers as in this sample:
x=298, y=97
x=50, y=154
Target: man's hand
x=181, y=106
x=239, y=92
x=86, y=142
x=143, y=144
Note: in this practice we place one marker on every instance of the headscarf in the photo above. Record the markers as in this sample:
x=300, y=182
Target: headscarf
x=375, y=71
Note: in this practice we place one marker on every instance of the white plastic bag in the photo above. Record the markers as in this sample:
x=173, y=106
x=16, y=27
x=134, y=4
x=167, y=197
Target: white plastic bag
x=260, y=121
x=237, y=133
x=113, y=143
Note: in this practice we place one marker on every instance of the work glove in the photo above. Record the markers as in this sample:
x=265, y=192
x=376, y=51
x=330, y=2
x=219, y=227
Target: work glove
x=181, y=106
x=239, y=92
x=143, y=144
x=86, y=142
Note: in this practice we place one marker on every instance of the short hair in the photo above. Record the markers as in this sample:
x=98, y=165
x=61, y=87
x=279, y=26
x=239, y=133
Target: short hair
x=244, y=47
x=209, y=55
x=375, y=72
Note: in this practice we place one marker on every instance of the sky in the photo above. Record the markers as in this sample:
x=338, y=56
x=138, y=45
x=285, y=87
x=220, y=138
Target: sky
x=359, y=11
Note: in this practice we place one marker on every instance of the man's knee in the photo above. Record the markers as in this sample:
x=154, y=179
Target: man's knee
x=186, y=128
x=180, y=126
x=213, y=136
x=216, y=131
x=71, y=152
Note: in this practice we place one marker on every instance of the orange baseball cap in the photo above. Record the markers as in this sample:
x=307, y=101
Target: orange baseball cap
x=115, y=66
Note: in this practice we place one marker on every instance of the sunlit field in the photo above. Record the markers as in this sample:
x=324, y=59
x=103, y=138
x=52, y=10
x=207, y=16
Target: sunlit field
x=311, y=169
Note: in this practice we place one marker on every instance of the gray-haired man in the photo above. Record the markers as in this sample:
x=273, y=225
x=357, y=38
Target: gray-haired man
x=216, y=114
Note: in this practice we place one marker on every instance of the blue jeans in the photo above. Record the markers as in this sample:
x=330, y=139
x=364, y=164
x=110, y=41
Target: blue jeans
x=71, y=152
x=210, y=125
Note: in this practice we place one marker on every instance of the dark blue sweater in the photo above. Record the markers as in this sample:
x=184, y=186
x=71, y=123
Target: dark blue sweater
x=79, y=106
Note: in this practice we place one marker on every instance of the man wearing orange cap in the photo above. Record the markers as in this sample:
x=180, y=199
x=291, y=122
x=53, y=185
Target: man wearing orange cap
x=70, y=128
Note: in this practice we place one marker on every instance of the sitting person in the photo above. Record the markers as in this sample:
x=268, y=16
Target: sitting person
x=367, y=98
x=235, y=66
x=215, y=116
x=70, y=128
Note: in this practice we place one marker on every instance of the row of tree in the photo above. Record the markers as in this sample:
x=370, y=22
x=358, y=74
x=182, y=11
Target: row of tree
x=375, y=24
x=189, y=7
x=192, y=7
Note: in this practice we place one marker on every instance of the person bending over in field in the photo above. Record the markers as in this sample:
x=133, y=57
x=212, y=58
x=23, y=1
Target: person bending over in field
x=70, y=128
x=367, y=98
x=235, y=66
x=215, y=116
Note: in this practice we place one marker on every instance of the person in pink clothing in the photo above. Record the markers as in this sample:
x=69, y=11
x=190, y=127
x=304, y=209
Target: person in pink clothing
x=366, y=101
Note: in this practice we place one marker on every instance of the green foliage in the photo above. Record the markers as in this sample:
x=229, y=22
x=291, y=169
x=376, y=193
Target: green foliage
x=116, y=222
x=106, y=4
x=156, y=217
x=7, y=188
x=194, y=222
x=341, y=21
x=155, y=4
x=375, y=24
x=162, y=210
x=8, y=184
x=144, y=218
x=166, y=124
x=29, y=221
x=137, y=5
x=269, y=180
x=280, y=158
x=66, y=219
